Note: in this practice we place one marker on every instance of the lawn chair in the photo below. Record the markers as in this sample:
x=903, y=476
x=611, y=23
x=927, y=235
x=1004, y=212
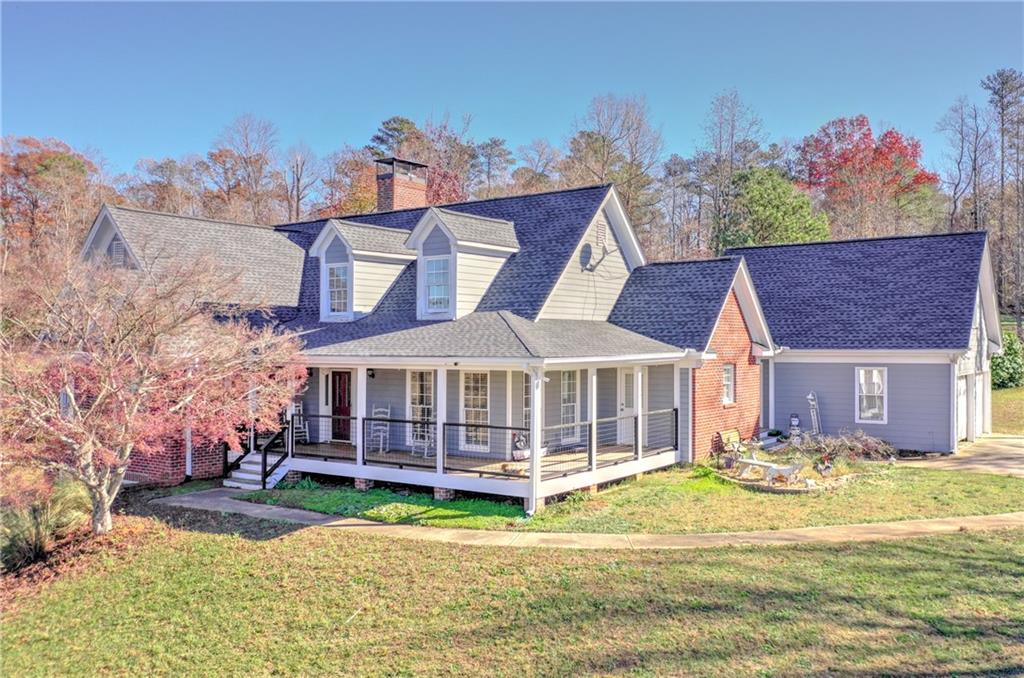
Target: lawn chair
x=380, y=431
x=423, y=440
x=301, y=425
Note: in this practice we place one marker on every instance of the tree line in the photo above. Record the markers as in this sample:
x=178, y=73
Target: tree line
x=846, y=179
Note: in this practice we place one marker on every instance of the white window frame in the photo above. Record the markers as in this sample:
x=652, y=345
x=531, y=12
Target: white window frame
x=346, y=278
x=426, y=285
x=464, y=442
x=857, y=395
x=569, y=434
x=729, y=397
x=431, y=392
x=327, y=314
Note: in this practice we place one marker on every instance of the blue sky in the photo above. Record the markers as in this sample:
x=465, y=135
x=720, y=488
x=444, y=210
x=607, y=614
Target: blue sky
x=154, y=80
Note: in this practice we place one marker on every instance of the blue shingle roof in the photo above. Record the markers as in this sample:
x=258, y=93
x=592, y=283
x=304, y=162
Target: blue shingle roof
x=677, y=302
x=913, y=292
x=548, y=227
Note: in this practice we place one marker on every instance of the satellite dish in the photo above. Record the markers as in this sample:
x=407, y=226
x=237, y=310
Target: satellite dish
x=586, y=257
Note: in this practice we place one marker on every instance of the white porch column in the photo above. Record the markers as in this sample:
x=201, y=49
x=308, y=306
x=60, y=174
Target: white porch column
x=592, y=413
x=533, y=501
x=771, y=394
x=289, y=442
x=360, y=413
x=440, y=412
x=676, y=402
x=639, y=401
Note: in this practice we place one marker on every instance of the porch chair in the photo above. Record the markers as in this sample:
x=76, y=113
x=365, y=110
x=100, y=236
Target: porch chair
x=301, y=425
x=380, y=431
x=423, y=440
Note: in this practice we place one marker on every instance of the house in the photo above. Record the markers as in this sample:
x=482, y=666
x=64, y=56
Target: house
x=893, y=336
x=522, y=346
x=516, y=346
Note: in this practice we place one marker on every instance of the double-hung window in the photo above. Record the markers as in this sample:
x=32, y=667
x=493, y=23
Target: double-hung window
x=337, y=287
x=527, y=401
x=421, y=403
x=569, y=405
x=728, y=383
x=438, y=284
x=475, y=410
x=872, y=395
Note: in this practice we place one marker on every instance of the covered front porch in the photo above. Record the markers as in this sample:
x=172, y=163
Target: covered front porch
x=530, y=432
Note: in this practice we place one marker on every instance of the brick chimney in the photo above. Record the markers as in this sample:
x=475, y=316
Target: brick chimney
x=401, y=184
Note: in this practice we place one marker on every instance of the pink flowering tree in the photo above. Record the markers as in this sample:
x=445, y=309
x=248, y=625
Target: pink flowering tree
x=102, y=364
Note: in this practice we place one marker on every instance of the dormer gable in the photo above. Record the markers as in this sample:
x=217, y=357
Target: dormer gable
x=358, y=263
x=458, y=256
x=105, y=241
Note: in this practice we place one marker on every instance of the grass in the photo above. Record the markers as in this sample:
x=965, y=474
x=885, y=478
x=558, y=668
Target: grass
x=1008, y=410
x=686, y=500
x=253, y=598
x=387, y=506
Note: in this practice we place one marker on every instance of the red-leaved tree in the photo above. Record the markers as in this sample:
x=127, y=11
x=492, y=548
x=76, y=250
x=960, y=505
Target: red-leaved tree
x=101, y=364
x=868, y=185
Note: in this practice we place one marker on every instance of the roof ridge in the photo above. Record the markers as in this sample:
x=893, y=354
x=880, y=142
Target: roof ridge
x=472, y=216
x=692, y=261
x=521, y=340
x=865, y=239
x=478, y=201
x=388, y=229
x=186, y=216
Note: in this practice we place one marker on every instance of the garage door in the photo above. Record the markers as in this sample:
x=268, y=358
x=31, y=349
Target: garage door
x=961, y=408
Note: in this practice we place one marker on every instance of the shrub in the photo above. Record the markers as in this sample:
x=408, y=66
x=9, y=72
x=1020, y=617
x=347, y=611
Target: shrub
x=1008, y=368
x=30, y=529
x=846, y=446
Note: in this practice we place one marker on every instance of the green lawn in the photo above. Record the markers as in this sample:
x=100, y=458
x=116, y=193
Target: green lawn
x=1008, y=410
x=687, y=500
x=191, y=598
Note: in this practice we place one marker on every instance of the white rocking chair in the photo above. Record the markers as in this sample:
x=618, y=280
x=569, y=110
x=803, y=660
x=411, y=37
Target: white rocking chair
x=380, y=431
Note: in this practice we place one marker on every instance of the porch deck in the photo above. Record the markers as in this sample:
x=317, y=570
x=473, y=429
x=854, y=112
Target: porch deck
x=554, y=464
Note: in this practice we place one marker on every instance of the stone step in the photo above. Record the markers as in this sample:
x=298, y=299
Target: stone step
x=241, y=485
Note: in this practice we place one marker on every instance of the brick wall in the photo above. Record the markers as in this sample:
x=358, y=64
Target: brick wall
x=166, y=466
x=732, y=344
x=400, y=192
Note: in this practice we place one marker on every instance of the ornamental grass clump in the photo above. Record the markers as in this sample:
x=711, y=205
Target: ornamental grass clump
x=32, y=522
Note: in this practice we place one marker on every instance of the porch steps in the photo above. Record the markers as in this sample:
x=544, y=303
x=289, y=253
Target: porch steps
x=247, y=475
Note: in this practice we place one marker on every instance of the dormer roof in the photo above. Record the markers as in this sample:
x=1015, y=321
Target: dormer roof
x=466, y=229
x=364, y=239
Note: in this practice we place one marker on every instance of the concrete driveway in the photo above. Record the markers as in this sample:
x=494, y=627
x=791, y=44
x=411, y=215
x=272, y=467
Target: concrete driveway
x=998, y=454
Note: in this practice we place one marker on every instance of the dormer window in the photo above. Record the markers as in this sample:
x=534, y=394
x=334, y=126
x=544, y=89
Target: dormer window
x=438, y=283
x=337, y=285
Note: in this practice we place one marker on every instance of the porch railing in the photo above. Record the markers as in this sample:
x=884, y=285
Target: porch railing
x=276, y=440
x=567, y=449
x=661, y=432
x=324, y=436
x=486, y=450
x=400, y=442
x=616, y=440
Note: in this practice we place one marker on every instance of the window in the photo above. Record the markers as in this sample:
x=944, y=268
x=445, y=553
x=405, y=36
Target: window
x=728, y=383
x=871, y=395
x=117, y=253
x=337, y=287
x=475, y=409
x=437, y=284
x=569, y=405
x=527, y=401
x=421, y=403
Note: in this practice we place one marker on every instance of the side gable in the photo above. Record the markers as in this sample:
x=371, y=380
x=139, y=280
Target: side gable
x=594, y=276
x=105, y=239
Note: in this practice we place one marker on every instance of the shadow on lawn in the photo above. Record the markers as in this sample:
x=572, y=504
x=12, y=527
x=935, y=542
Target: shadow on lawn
x=135, y=501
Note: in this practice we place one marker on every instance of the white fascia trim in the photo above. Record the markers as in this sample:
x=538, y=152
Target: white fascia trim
x=323, y=240
x=484, y=248
x=369, y=255
x=425, y=362
x=746, y=293
x=429, y=219
x=990, y=300
x=631, y=249
x=863, y=355
x=94, y=231
x=637, y=359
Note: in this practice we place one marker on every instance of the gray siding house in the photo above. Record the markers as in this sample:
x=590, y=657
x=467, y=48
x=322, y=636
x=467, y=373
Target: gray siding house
x=892, y=336
x=522, y=346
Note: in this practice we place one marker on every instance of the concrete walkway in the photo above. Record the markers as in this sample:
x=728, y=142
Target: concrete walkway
x=222, y=500
x=998, y=454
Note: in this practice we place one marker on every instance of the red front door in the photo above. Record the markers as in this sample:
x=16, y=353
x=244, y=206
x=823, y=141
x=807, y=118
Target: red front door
x=341, y=405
